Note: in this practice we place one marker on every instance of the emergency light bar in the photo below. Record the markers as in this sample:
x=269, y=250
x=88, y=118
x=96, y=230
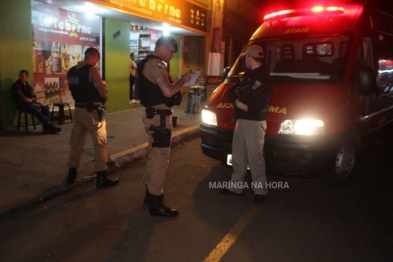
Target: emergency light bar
x=316, y=10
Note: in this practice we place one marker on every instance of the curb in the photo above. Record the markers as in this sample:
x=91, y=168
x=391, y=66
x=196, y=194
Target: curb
x=117, y=160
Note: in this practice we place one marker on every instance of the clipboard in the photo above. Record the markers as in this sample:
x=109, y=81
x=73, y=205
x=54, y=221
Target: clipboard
x=194, y=77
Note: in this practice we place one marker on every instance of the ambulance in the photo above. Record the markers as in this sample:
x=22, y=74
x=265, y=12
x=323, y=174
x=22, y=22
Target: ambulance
x=332, y=73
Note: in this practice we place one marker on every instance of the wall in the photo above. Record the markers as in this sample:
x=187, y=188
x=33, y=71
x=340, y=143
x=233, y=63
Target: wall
x=16, y=36
x=175, y=61
x=117, y=61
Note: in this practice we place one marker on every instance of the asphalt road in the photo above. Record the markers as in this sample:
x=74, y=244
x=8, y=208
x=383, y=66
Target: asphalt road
x=302, y=221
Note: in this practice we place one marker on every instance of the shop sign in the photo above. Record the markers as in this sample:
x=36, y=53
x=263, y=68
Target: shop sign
x=68, y=26
x=187, y=14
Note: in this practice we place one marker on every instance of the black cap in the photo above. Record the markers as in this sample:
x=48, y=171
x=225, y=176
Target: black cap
x=164, y=40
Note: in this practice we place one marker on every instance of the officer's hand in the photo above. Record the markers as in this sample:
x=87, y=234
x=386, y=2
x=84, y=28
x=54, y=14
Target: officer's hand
x=241, y=105
x=186, y=77
x=176, y=79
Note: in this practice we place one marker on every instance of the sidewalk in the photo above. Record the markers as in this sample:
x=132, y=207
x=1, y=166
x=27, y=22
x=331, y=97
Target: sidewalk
x=34, y=166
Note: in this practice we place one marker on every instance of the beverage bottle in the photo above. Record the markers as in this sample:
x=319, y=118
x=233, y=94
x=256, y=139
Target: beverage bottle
x=66, y=59
x=56, y=60
x=40, y=63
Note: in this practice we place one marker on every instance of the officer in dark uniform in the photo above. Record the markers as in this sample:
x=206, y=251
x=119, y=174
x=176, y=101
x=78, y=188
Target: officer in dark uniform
x=90, y=94
x=158, y=94
x=251, y=97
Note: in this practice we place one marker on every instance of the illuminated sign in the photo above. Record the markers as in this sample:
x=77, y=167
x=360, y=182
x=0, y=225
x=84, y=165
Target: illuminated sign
x=65, y=26
x=188, y=14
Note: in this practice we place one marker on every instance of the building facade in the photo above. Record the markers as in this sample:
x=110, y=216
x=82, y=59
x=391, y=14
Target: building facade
x=48, y=37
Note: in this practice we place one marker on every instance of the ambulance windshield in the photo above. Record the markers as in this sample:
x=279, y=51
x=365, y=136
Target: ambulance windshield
x=308, y=57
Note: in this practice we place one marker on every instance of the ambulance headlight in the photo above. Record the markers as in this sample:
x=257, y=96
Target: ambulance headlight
x=307, y=127
x=209, y=118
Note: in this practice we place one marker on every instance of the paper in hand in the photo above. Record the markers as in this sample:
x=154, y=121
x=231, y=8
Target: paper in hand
x=194, y=77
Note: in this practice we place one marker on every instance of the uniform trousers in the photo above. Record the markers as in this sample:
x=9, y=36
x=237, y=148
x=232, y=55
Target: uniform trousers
x=247, y=150
x=158, y=158
x=86, y=123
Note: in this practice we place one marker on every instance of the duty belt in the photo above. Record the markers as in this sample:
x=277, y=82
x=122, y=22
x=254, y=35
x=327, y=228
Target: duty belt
x=84, y=105
x=81, y=105
x=157, y=111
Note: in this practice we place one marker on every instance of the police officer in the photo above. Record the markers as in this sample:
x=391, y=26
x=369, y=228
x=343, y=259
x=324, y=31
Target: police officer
x=158, y=94
x=90, y=94
x=250, y=97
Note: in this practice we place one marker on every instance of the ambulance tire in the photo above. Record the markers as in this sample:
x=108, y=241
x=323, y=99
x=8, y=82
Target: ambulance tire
x=343, y=165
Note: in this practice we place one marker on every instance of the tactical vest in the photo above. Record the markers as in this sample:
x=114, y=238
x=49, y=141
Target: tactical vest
x=150, y=94
x=81, y=89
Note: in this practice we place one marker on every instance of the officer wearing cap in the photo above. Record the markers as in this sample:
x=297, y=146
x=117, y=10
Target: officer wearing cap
x=250, y=97
x=158, y=93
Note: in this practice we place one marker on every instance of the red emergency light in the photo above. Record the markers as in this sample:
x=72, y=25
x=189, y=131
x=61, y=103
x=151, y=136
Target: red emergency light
x=280, y=13
x=316, y=10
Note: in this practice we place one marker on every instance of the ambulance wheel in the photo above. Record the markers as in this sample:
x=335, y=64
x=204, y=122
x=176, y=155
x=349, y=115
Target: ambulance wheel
x=343, y=167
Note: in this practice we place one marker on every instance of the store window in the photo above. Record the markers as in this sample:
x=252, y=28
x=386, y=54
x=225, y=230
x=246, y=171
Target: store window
x=60, y=38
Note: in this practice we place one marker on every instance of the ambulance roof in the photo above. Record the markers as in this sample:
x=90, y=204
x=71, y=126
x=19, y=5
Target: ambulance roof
x=313, y=20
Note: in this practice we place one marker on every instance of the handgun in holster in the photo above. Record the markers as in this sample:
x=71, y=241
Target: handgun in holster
x=101, y=112
x=161, y=135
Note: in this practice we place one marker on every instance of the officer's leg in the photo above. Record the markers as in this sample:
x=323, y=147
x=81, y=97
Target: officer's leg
x=255, y=145
x=146, y=175
x=78, y=138
x=158, y=163
x=99, y=135
x=239, y=157
x=159, y=160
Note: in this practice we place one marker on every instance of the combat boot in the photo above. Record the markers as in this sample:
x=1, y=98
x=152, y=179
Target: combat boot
x=148, y=196
x=71, y=175
x=157, y=207
x=103, y=181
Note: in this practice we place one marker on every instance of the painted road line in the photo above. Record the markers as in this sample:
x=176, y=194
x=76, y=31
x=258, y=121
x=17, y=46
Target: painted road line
x=232, y=235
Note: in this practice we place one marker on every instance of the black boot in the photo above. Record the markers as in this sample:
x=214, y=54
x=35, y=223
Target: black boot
x=157, y=207
x=71, y=175
x=148, y=196
x=103, y=181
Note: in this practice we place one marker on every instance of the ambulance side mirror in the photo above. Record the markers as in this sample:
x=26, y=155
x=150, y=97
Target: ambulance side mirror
x=366, y=80
x=225, y=73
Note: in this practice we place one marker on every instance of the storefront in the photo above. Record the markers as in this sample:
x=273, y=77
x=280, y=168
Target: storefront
x=60, y=38
x=50, y=36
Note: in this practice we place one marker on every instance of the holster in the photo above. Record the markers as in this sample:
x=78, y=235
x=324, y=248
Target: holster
x=101, y=112
x=162, y=136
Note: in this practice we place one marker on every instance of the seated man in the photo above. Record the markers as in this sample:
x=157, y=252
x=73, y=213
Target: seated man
x=24, y=99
